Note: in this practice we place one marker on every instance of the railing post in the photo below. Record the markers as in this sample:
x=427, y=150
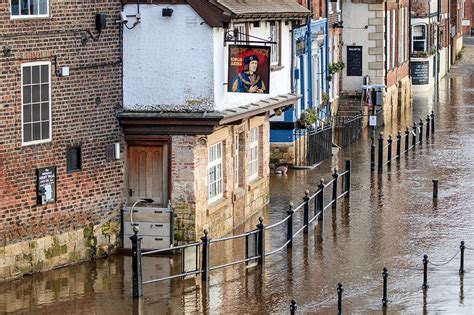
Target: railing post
x=335, y=175
x=399, y=143
x=421, y=131
x=414, y=136
x=389, y=150
x=380, y=155
x=385, y=277
x=137, y=280
x=306, y=212
x=205, y=256
x=320, y=200
x=425, y=272
x=427, y=126
x=407, y=139
x=340, y=290
x=348, y=178
x=261, y=242
x=432, y=123
x=293, y=307
x=289, y=227
x=461, y=268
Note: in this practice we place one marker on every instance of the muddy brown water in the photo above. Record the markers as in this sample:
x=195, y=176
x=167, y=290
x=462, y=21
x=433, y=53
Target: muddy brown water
x=389, y=221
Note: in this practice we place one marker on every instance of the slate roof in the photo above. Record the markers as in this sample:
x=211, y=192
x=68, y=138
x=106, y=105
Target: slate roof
x=264, y=8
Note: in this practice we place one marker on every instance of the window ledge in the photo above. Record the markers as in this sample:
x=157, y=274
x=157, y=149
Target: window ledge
x=256, y=182
x=276, y=68
x=239, y=193
x=215, y=205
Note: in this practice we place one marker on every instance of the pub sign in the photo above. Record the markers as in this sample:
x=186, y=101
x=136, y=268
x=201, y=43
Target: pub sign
x=249, y=69
x=46, y=185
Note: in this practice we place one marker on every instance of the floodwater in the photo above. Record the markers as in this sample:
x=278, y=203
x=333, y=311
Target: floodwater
x=390, y=220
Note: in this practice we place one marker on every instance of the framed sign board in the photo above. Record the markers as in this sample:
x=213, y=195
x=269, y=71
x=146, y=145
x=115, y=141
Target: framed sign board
x=354, y=61
x=419, y=72
x=46, y=185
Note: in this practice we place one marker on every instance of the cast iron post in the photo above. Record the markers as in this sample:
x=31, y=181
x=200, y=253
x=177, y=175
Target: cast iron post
x=293, y=307
x=427, y=126
x=435, y=188
x=348, y=178
x=320, y=199
x=289, y=227
x=425, y=272
x=380, y=155
x=421, y=131
x=461, y=268
x=389, y=150
x=399, y=143
x=335, y=175
x=137, y=280
x=340, y=290
x=414, y=136
x=306, y=212
x=261, y=242
x=432, y=123
x=205, y=256
x=385, y=277
x=407, y=139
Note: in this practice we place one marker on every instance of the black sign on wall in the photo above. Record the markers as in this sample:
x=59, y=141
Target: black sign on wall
x=46, y=185
x=354, y=61
x=419, y=71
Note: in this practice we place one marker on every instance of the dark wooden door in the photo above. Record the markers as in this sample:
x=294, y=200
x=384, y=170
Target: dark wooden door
x=148, y=173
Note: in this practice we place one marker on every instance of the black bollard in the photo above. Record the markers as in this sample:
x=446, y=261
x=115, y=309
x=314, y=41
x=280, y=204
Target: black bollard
x=407, y=139
x=293, y=307
x=385, y=277
x=205, y=264
x=399, y=143
x=389, y=150
x=414, y=136
x=432, y=122
x=348, y=178
x=461, y=268
x=340, y=290
x=289, y=227
x=427, y=126
x=137, y=279
x=306, y=212
x=425, y=272
x=335, y=175
x=320, y=200
x=421, y=131
x=380, y=155
x=435, y=188
x=261, y=242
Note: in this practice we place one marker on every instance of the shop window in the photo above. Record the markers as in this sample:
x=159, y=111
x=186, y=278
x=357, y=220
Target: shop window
x=254, y=154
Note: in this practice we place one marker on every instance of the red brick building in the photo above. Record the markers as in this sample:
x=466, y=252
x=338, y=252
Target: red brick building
x=60, y=181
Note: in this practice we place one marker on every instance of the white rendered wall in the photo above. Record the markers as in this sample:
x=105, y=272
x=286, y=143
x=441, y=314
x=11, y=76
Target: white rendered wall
x=443, y=62
x=356, y=17
x=168, y=61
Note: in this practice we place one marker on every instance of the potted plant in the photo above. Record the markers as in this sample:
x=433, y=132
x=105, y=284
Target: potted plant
x=307, y=118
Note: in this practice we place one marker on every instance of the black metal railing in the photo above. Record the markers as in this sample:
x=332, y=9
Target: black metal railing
x=312, y=146
x=255, y=245
x=386, y=153
x=348, y=129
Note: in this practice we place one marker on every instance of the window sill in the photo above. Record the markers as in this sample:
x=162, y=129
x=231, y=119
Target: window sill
x=239, y=193
x=217, y=204
x=254, y=183
x=276, y=68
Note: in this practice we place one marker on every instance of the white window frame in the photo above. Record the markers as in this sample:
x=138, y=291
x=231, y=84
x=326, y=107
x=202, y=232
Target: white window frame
x=394, y=38
x=30, y=65
x=338, y=6
x=214, y=153
x=330, y=9
x=275, y=29
x=387, y=42
x=29, y=16
x=236, y=160
x=401, y=51
x=424, y=40
x=254, y=153
x=242, y=31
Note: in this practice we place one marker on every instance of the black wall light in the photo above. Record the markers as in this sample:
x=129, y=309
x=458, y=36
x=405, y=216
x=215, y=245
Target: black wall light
x=167, y=12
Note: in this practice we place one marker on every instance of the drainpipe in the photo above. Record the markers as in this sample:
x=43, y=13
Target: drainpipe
x=410, y=39
x=326, y=70
x=387, y=58
x=437, y=48
x=309, y=44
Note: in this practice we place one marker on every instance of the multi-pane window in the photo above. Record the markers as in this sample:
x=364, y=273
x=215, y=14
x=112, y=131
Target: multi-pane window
x=253, y=161
x=236, y=160
x=36, y=102
x=241, y=31
x=275, y=36
x=74, y=159
x=388, y=47
x=215, y=179
x=394, y=33
x=29, y=8
x=419, y=38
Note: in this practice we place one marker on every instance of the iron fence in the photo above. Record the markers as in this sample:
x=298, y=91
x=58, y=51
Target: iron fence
x=348, y=129
x=312, y=146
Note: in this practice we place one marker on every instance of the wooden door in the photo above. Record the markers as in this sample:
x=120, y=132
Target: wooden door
x=148, y=174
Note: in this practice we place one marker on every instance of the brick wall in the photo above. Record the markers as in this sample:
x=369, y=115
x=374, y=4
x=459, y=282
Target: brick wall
x=83, y=113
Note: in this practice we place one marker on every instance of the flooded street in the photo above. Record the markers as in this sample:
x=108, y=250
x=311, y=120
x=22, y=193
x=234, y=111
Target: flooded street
x=389, y=221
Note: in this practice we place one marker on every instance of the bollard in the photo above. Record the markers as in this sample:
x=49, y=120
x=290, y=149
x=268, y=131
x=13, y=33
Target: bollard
x=414, y=136
x=421, y=132
x=432, y=123
x=399, y=143
x=385, y=277
x=461, y=268
x=435, y=188
x=293, y=307
x=306, y=212
x=425, y=272
x=407, y=139
x=137, y=279
x=348, y=178
x=205, y=256
x=427, y=126
x=261, y=242
x=320, y=200
x=380, y=155
x=340, y=290
x=335, y=175
x=389, y=151
x=289, y=227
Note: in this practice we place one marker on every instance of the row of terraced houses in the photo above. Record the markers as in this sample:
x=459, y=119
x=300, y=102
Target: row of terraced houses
x=175, y=109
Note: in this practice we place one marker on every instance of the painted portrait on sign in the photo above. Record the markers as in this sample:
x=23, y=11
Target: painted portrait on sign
x=249, y=69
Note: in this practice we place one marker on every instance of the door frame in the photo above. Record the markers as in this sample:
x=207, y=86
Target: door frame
x=148, y=140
